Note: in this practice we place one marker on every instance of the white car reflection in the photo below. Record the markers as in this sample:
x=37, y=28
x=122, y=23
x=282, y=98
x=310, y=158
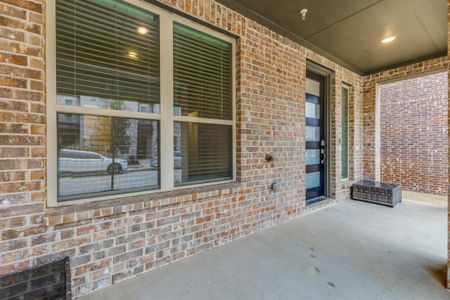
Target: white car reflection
x=76, y=161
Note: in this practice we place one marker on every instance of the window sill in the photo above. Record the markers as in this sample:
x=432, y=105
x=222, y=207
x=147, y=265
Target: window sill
x=69, y=213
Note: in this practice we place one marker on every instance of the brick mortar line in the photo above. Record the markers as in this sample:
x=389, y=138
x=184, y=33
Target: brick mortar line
x=26, y=20
x=23, y=30
x=20, y=53
x=24, y=66
x=23, y=112
x=26, y=9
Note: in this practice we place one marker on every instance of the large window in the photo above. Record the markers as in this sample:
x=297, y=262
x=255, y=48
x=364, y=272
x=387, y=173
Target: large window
x=143, y=100
x=345, y=133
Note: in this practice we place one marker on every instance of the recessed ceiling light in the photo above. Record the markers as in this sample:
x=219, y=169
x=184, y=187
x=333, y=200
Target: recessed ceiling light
x=142, y=30
x=132, y=54
x=388, y=39
x=303, y=13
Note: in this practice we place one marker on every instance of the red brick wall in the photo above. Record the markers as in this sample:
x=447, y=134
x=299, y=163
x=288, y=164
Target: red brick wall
x=414, y=143
x=371, y=117
x=109, y=241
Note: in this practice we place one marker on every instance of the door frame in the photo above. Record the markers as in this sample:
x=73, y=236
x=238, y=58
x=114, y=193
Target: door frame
x=327, y=76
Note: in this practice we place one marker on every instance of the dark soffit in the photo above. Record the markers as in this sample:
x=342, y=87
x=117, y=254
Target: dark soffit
x=349, y=32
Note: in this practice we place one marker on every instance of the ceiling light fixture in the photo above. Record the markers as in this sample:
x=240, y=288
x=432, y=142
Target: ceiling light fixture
x=132, y=54
x=388, y=39
x=303, y=13
x=142, y=30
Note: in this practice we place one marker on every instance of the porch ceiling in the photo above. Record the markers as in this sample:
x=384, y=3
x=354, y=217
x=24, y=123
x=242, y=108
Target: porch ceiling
x=352, y=30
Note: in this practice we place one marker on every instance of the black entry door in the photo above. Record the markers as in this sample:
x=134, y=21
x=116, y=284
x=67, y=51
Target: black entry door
x=315, y=138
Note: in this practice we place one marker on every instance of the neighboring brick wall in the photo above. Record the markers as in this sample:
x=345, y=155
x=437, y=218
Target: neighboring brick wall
x=371, y=117
x=413, y=118
x=112, y=240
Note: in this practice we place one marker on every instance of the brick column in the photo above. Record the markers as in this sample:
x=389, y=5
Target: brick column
x=448, y=239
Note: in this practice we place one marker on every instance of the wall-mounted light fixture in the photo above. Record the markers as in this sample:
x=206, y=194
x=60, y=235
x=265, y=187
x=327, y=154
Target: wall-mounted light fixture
x=275, y=186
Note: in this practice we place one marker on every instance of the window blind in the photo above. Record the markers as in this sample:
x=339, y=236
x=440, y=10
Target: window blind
x=203, y=152
x=202, y=74
x=107, y=51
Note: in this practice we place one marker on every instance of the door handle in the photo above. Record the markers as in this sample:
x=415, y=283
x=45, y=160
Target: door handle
x=323, y=156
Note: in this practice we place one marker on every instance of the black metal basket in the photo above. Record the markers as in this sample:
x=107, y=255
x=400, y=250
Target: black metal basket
x=389, y=194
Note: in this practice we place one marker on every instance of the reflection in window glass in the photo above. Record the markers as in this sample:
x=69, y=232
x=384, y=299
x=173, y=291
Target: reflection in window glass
x=312, y=134
x=107, y=55
x=312, y=156
x=202, y=152
x=312, y=180
x=102, y=155
x=312, y=110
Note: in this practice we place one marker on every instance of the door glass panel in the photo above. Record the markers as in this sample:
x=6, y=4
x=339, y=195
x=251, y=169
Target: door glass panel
x=312, y=156
x=312, y=180
x=312, y=134
x=312, y=110
x=312, y=87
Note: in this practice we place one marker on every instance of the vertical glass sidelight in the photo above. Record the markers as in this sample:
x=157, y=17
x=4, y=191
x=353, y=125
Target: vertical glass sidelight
x=345, y=132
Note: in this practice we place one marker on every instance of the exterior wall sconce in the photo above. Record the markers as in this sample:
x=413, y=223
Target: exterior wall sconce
x=275, y=186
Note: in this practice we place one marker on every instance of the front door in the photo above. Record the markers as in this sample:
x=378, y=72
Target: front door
x=315, y=138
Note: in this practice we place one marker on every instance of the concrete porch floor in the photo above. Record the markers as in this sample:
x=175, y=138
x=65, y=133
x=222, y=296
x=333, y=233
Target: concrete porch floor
x=352, y=250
